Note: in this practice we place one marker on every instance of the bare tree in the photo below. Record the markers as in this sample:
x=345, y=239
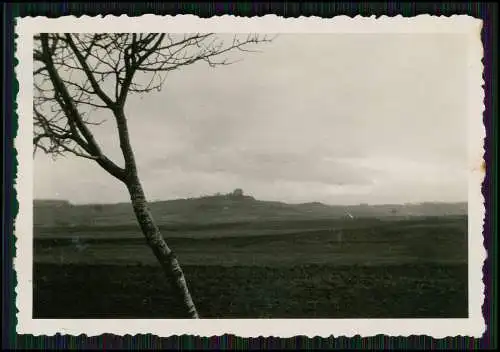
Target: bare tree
x=75, y=74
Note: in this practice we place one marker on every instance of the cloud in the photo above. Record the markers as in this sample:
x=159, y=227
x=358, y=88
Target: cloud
x=334, y=118
x=271, y=166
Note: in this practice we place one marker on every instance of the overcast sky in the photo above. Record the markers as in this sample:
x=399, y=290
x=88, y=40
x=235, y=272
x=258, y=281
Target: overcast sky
x=340, y=119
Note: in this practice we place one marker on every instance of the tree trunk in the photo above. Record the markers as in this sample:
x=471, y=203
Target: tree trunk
x=163, y=253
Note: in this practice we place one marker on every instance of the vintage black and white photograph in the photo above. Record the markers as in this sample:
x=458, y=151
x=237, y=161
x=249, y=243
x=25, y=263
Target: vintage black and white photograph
x=252, y=174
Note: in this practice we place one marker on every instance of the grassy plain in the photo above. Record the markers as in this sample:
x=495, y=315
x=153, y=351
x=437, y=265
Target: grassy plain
x=259, y=269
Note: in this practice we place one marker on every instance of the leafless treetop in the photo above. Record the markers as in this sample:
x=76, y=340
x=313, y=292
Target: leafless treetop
x=77, y=73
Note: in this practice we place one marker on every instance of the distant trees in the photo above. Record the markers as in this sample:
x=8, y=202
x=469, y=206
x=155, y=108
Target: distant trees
x=76, y=74
x=237, y=193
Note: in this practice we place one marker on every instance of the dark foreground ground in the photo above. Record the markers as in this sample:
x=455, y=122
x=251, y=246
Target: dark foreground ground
x=309, y=291
x=402, y=269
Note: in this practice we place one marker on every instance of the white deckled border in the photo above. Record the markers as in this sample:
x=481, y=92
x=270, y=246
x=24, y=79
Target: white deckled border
x=438, y=328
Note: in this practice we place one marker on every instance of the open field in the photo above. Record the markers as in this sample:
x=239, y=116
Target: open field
x=302, y=291
x=334, y=268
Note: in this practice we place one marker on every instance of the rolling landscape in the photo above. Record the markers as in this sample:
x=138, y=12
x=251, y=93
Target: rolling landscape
x=249, y=258
x=316, y=172
x=304, y=123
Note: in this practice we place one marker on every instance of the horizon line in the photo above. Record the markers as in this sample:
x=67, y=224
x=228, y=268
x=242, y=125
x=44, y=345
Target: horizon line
x=263, y=200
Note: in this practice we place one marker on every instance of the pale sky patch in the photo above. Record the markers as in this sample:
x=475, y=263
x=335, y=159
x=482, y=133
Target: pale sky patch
x=336, y=118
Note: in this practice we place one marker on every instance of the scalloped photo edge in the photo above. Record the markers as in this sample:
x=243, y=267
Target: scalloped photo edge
x=23, y=262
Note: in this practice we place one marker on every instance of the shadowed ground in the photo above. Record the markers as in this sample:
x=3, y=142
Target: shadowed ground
x=385, y=270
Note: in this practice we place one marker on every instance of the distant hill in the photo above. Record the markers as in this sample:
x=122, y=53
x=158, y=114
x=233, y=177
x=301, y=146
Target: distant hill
x=39, y=203
x=225, y=208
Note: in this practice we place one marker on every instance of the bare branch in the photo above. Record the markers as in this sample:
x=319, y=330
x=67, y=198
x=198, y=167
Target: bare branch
x=75, y=121
x=76, y=75
x=88, y=72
